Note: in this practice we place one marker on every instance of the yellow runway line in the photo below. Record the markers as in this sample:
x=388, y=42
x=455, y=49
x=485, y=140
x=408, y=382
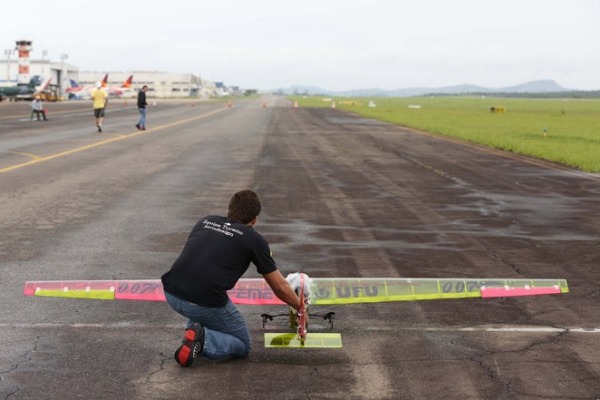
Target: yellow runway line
x=38, y=159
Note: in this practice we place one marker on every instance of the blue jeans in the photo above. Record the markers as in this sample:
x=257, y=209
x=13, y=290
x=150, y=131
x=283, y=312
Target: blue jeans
x=226, y=332
x=142, y=122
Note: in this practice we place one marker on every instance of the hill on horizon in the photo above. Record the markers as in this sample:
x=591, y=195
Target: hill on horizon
x=539, y=86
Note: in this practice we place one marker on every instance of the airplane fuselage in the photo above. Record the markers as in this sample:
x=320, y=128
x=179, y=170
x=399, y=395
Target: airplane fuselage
x=13, y=91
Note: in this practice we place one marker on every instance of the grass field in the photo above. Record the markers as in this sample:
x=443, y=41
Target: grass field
x=566, y=131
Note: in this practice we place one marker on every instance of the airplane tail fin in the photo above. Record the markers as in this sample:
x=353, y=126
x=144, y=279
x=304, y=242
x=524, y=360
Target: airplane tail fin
x=74, y=83
x=127, y=83
x=104, y=81
x=34, y=81
x=44, y=85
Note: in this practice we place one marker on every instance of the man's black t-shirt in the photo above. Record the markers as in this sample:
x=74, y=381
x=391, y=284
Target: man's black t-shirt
x=141, y=100
x=216, y=254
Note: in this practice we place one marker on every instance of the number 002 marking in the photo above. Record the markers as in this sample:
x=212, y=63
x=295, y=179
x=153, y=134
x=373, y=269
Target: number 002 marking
x=458, y=287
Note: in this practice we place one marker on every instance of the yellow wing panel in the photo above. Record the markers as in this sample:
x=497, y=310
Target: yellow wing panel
x=102, y=294
x=100, y=290
x=313, y=340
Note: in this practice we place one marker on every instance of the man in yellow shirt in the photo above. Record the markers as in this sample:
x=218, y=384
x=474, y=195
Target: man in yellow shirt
x=99, y=98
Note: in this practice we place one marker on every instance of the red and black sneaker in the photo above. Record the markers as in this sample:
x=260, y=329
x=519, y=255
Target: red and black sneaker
x=192, y=345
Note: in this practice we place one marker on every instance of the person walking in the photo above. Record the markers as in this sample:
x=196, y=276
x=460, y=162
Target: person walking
x=37, y=108
x=141, y=104
x=217, y=253
x=100, y=100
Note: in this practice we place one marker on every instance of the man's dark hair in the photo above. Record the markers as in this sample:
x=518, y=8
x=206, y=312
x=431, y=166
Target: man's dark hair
x=244, y=206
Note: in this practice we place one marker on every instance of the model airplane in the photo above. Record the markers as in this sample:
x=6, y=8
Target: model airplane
x=313, y=291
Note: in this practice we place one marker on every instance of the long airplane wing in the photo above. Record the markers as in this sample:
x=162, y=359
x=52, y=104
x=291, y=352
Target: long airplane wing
x=323, y=291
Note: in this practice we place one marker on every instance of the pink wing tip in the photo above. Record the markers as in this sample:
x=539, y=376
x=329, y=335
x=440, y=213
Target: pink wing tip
x=518, y=291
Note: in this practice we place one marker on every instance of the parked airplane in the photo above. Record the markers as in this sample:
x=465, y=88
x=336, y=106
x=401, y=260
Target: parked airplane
x=125, y=88
x=81, y=92
x=74, y=89
x=34, y=86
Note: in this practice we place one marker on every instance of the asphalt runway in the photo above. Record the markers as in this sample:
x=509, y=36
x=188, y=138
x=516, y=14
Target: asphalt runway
x=342, y=196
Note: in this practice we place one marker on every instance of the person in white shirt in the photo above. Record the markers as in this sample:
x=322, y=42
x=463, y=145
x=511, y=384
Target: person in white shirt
x=37, y=108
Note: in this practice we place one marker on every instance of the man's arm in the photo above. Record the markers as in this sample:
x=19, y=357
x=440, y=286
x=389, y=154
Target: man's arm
x=282, y=289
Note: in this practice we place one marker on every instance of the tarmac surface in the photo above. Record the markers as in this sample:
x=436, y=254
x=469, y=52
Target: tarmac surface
x=343, y=196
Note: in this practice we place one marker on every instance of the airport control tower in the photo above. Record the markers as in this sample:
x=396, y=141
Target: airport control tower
x=23, y=47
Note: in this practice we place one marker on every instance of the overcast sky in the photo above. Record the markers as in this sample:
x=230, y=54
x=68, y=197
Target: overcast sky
x=333, y=44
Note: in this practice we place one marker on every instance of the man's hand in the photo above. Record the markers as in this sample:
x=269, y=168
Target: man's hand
x=282, y=289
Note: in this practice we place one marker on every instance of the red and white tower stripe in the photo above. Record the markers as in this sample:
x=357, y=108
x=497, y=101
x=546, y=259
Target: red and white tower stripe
x=23, y=48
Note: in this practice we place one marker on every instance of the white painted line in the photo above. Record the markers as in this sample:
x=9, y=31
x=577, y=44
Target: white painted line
x=114, y=325
x=138, y=325
x=508, y=329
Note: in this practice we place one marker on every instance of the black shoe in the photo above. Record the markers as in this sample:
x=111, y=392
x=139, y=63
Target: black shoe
x=137, y=126
x=99, y=128
x=192, y=345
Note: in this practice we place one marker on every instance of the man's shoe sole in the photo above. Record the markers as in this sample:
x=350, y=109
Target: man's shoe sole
x=185, y=354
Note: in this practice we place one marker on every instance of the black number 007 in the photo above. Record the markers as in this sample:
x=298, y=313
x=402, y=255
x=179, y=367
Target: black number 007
x=137, y=287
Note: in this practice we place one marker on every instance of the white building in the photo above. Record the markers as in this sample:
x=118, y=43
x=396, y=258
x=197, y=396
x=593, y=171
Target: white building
x=9, y=71
x=160, y=84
